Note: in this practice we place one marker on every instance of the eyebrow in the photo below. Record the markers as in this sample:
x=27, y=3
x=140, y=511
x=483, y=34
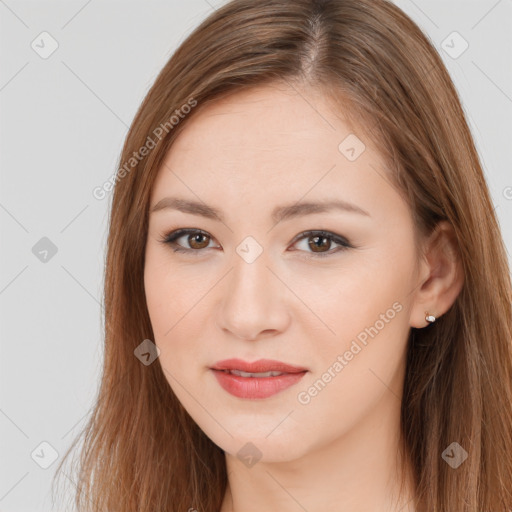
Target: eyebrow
x=279, y=213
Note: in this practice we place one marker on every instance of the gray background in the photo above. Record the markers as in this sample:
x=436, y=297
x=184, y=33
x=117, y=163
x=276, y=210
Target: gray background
x=63, y=121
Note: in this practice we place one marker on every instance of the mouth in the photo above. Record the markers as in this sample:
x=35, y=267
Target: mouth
x=260, y=379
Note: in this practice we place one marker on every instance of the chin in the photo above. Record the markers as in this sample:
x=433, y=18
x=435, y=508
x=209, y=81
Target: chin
x=250, y=448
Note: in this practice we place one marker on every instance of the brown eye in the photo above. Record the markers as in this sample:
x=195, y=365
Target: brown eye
x=197, y=241
x=317, y=243
x=321, y=243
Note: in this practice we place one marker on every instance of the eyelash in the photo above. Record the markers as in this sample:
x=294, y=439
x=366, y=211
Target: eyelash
x=170, y=239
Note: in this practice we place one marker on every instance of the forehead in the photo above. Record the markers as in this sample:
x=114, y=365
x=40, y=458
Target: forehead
x=273, y=118
x=268, y=132
x=274, y=145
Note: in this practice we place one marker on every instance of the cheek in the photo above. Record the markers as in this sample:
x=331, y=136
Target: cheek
x=345, y=299
x=363, y=362
x=362, y=353
x=168, y=295
x=178, y=308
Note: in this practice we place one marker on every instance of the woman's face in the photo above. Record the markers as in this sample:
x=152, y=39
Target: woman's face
x=252, y=286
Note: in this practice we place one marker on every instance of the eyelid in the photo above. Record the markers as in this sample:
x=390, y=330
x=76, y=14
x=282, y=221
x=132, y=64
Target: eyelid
x=343, y=244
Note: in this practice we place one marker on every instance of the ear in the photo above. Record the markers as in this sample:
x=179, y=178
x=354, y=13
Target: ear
x=441, y=276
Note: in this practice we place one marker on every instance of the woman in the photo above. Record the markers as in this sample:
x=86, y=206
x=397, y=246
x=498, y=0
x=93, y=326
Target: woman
x=307, y=296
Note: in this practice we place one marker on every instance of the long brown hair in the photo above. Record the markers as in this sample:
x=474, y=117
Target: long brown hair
x=141, y=450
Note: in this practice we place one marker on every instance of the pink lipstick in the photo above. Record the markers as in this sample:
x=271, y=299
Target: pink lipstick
x=259, y=379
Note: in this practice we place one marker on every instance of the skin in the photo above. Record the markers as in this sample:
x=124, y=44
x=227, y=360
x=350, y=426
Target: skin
x=245, y=155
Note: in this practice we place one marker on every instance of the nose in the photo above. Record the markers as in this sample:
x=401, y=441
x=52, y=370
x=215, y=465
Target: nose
x=253, y=300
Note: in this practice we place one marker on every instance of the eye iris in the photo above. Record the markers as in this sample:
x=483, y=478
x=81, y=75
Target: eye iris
x=193, y=238
x=317, y=238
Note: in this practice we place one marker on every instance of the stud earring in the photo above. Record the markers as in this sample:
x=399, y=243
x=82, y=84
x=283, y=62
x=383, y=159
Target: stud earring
x=429, y=318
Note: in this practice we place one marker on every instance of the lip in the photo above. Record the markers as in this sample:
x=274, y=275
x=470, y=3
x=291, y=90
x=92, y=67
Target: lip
x=256, y=387
x=259, y=366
